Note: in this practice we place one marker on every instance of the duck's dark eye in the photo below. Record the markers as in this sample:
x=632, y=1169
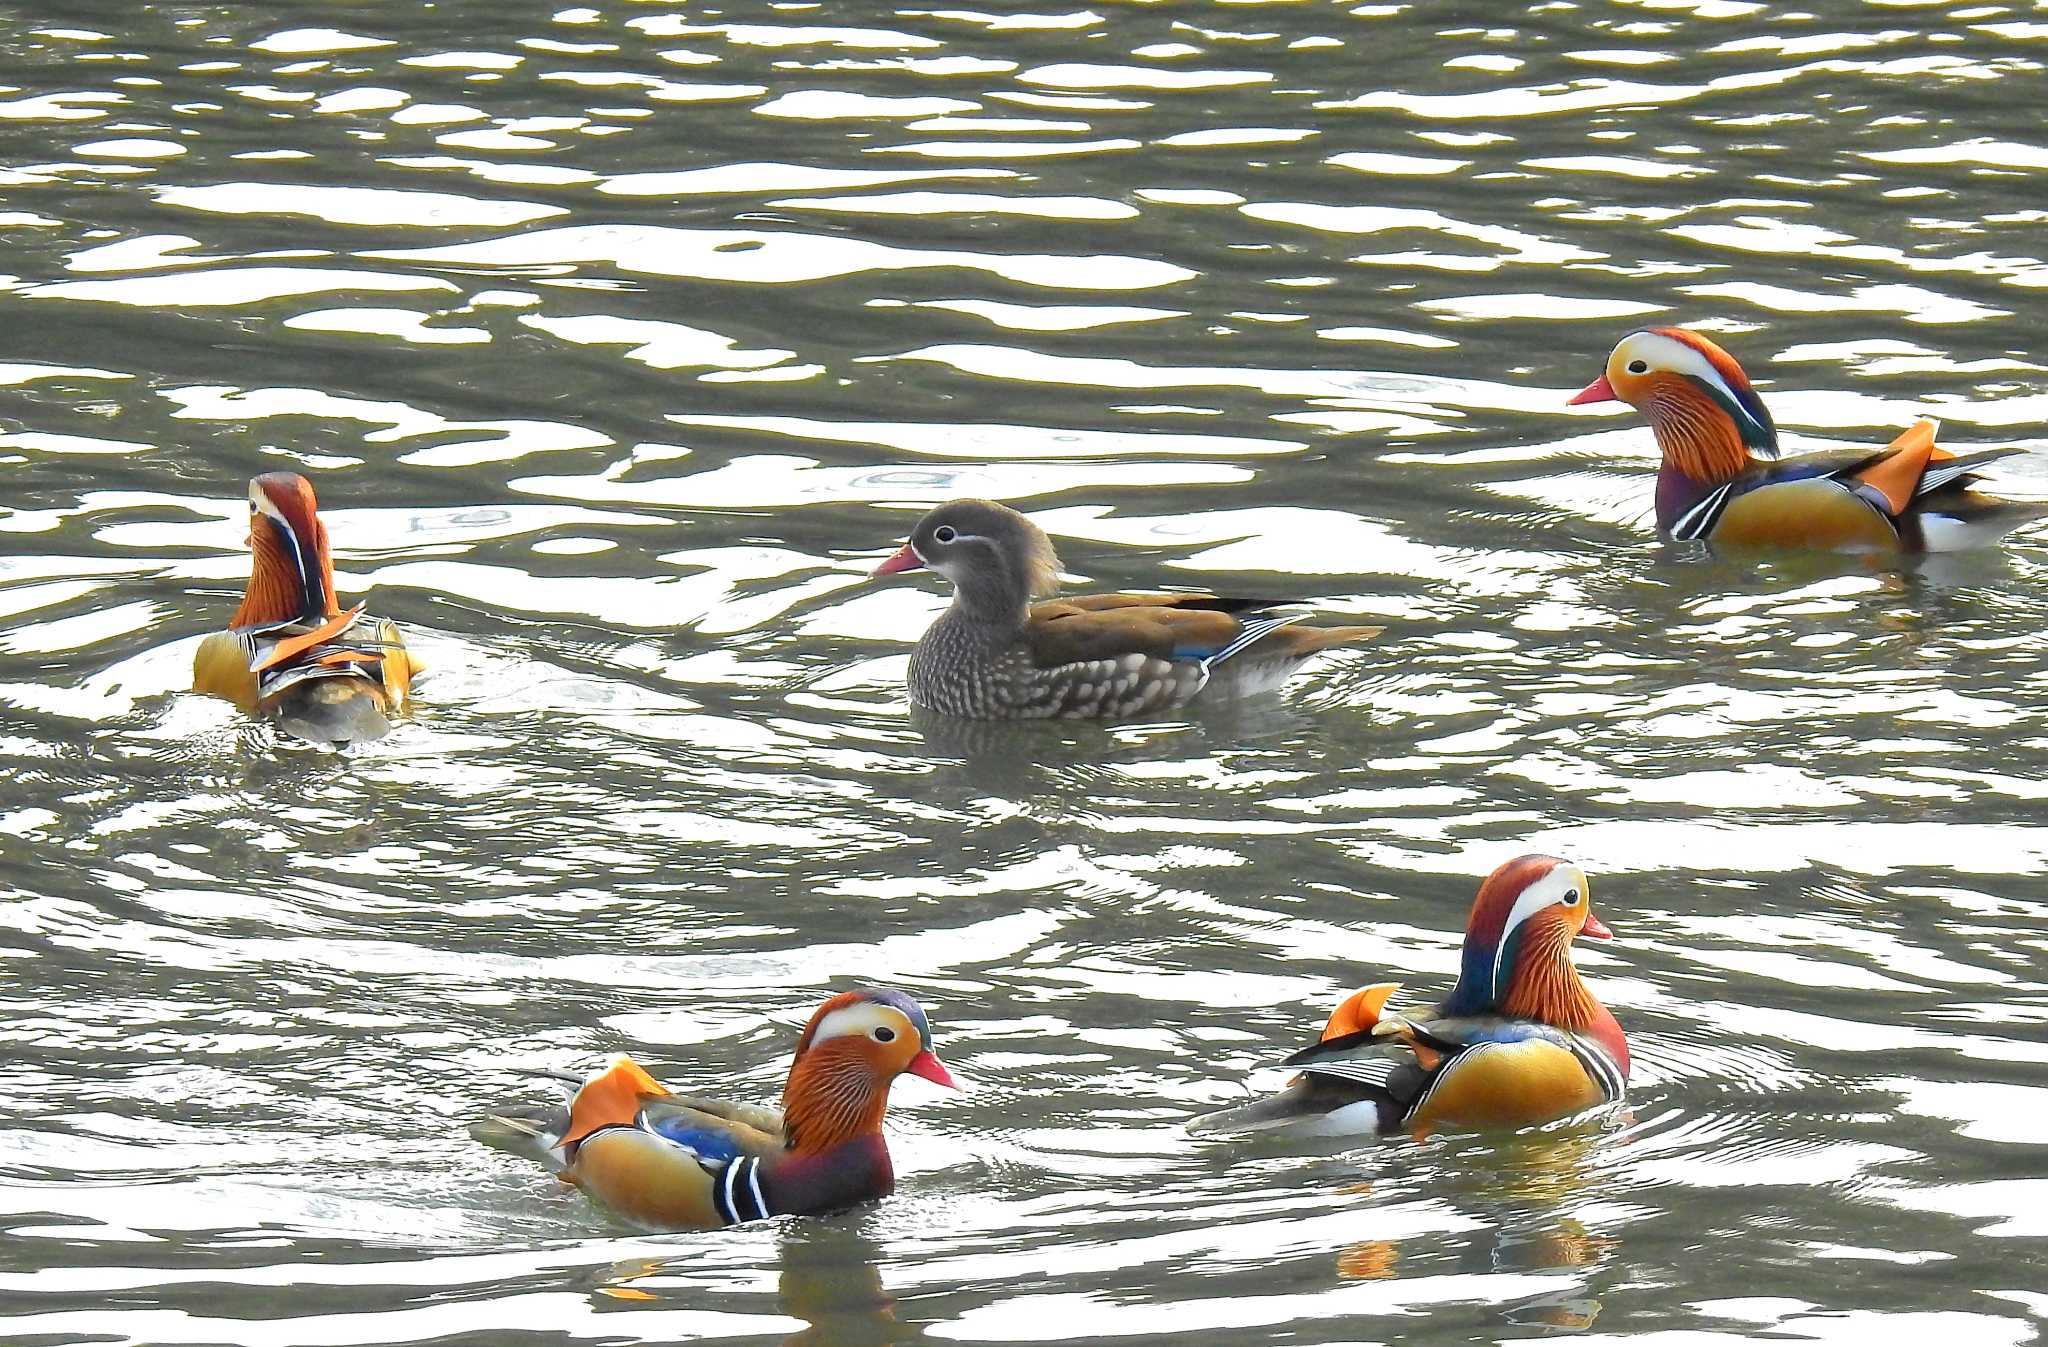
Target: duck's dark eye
x=944, y=534
x=884, y=1034
x=1570, y=900
x=1638, y=367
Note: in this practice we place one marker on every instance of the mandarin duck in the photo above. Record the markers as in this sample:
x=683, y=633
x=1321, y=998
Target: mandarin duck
x=670, y=1162
x=1520, y=1040
x=1719, y=480
x=290, y=654
x=996, y=655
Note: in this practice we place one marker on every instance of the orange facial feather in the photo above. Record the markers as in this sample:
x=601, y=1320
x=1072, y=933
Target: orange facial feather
x=1697, y=437
x=1546, y=987
x=836, y=1091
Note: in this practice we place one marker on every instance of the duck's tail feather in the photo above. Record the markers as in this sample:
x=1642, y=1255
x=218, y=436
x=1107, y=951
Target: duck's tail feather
x=532, y=1136
x=336, y=711
x=1306, y=1099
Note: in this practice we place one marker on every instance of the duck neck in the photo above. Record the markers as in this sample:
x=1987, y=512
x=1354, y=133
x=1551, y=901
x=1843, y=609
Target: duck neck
x=1699, y=440
x=1546, y=987
x=831, y=1098
x=290, y=576
x=996, y=599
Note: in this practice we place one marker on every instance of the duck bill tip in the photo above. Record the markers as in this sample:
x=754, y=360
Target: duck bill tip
x=928, y=1065
x=905, y=559
x=1595, y=929
x=1597, y=391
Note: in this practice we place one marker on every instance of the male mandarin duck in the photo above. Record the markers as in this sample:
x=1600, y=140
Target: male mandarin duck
x=290, y=653
x=666, y=1161
x=1520, y=1040
x=996, y=655
x=1718, y=481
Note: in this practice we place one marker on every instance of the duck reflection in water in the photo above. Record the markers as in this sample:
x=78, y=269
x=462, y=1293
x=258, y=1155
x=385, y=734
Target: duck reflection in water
x=830, y=1281
x=1534, y=1181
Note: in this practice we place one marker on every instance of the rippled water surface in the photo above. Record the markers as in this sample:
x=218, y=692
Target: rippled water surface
x=622, y=341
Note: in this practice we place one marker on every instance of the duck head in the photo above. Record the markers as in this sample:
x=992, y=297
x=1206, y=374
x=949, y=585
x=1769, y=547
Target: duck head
x=1707, y=419
x=998, y=560
x=854, y=1048
x=1518, y=944
x=292, y=576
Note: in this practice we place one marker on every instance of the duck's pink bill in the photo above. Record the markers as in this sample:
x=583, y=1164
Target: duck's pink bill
x=927, y=1063
x=1597, y=391
x=906, y=559
x=1595, y=929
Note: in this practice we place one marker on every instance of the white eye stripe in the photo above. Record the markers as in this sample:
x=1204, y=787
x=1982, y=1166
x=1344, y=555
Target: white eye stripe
x=1563, y=880
x=858, y=1020
x=1668, y=353
x=260, y=502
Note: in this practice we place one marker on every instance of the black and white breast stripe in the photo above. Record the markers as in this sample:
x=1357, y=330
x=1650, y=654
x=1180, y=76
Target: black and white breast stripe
x=736, y=1192
x=1699, y=521
x=1601, y=1068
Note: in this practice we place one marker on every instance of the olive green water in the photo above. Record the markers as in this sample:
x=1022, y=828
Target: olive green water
x=621, y=341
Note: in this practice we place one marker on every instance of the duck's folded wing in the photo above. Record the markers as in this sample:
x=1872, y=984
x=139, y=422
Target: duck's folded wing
x=1351, y=1080
x=1190, y=602
x=1068, y=634
x=713, y=1129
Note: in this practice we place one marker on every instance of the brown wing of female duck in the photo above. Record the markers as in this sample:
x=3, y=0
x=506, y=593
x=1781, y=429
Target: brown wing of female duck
x=1133, y=653
x=290, y=653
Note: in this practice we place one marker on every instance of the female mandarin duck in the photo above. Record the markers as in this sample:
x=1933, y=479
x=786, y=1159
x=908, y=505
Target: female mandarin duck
x=996, y=655
x=1520, y=1040
x=685, y=1164
x=290, y=653
x=1717, y=482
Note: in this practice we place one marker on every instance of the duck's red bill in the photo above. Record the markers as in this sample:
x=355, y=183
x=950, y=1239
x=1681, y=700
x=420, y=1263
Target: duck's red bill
x=1597, y=391
x=906, y=559
x=1595, y=929
x=927, y=1063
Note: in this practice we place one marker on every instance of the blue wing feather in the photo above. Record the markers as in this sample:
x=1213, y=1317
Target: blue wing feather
x=716, y=1145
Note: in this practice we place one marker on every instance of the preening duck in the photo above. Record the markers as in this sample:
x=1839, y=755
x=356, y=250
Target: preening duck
x=670, y=1162
x=997, y=655
x=1520, y=1040
x=290, y=654
x=1720, y=479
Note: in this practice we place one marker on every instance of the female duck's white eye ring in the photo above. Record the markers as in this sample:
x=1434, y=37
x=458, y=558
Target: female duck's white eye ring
x=944, y=534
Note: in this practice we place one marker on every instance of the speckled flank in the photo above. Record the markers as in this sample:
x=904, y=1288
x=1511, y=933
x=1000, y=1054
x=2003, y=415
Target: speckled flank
x=970, y=669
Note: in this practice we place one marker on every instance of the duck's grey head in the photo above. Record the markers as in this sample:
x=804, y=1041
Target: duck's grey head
x=996, y=558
